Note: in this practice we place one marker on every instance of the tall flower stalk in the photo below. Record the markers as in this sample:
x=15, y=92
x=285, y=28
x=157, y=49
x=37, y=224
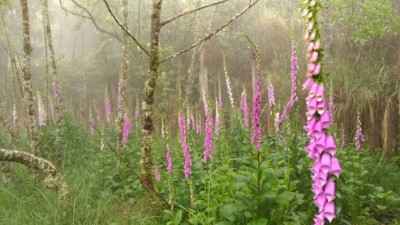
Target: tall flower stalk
x=127, y=128
x=217, y=119
x=41, y=111
x=245, y=109
x=293, y=96
x=270, y=92
x=228, y=85
x=186, y=155
x=208, y=144
x=256, y=137
x=359, y=137
x=322, y=147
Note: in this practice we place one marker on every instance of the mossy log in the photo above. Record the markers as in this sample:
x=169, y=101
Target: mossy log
x=52, y=178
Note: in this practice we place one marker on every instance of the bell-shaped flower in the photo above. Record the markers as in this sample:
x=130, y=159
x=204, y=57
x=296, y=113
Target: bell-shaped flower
x=319, y=94
x=308, y=83
x=326, y=162
x=330, y=190
x=320, y=143
x=314, y=57
x=311, y=66
x=321, y=107
x=317, y=45
x=336, y=169
x=315, y=168
x=322, y=177
x=310, y=124
x=317, y=69
x=310, y=47
x=312, y=36
x=320, y=202
x=318, y=131
x=329, y=211
x=330, y=145
x=312, y=106
x=325, y=119
x=313, y=90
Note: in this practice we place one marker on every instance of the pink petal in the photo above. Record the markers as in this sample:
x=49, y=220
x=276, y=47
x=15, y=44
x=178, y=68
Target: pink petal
x=314, y=57
x=320, y=143
x=326, y=162
x=330, y=189
x=336, y=169
x=329, y=211
x=325, y=119
x=313, y=89
x=307, y=84
x=321, y=106
x=330, y=145
x=320, y=93
x=317, y=69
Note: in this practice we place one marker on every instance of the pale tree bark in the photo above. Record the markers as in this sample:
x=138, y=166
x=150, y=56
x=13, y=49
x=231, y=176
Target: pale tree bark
x=52, y=180
x=46, y=53
x=150, y=85
x=123, y=77
x=27, y=81
x=57, y=104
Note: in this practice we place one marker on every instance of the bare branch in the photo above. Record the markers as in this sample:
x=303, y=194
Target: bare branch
x=89, y=17
x=211, y=34
x=184, y=13
x=124, y=29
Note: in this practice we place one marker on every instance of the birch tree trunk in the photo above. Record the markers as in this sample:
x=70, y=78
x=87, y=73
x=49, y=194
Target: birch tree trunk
x=31, y=122
x=150, y=85
x=123, y=77
x=54, y=74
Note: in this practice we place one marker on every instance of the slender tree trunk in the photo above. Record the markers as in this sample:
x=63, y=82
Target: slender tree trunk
x=203, y=73
x=27, y=86
x=56, y=86
x=148, y=104
x=123, y=77
x=46, y=82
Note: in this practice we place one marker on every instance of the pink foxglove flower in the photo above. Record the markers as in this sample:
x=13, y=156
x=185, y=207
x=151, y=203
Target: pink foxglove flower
x=359, y=137
x=157, y=173
x=322, y=147
x=169, y=160
x=127, y=128
x=57, y=93
x=271, y=93
x=219, y=96
x=185, y=148
x=257, y=135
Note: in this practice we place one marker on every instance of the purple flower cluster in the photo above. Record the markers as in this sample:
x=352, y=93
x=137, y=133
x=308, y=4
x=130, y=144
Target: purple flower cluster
x=208, y=139
x=257, y=135
x=185, y=148
x=322, y=147
x=157, y=173
x=57, y=92
x=359, y=137
x=245, y=110
x=169, y=160
x=293, y=97
x=271, y=93
x=126, y=129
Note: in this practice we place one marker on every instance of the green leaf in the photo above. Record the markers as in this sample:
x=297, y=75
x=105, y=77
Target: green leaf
x=178, y=217
x=259, y=221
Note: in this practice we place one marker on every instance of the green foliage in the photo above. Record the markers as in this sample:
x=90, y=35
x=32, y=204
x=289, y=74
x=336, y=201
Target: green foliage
x=365, y=20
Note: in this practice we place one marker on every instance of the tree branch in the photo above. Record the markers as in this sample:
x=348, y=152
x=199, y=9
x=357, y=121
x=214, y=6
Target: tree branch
x=53, y=179
x=184, y=13
x=209, y=35
x=124, y=29
x=89, y=17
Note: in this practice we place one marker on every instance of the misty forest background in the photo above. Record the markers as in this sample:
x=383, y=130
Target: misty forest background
x=70, y=165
